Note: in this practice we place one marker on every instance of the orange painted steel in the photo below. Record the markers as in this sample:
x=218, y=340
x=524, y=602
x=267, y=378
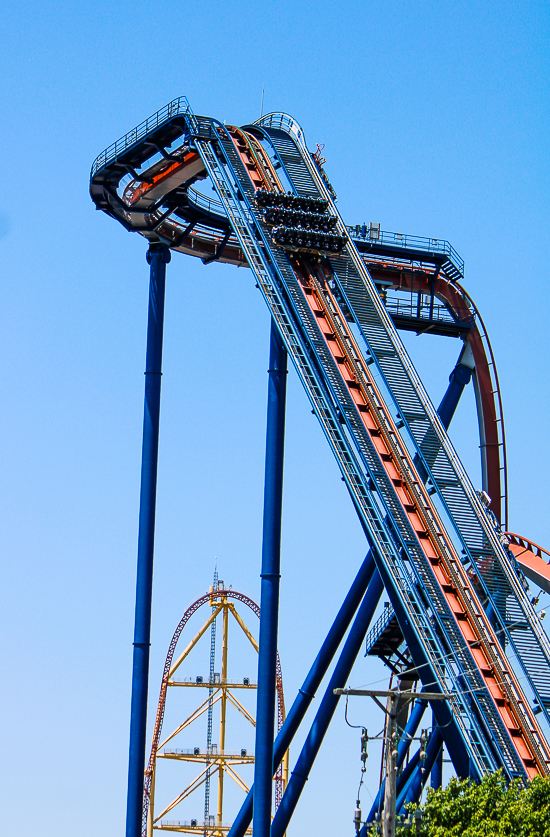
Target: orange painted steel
x=469, y=615
x=205, y=244
x=468, y=612
x=133, y=194
x=255, y=161
x=530, y=557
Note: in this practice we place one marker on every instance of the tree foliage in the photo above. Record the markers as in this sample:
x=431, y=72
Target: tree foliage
x=491, y=808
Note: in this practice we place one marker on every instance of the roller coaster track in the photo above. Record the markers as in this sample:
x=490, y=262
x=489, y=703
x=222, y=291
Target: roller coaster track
x=450, y=571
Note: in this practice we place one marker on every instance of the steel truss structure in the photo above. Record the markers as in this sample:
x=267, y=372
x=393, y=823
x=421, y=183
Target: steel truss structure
x=216, y=759
x=461, y=621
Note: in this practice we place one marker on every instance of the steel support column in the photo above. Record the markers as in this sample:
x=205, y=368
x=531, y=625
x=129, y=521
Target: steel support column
x=158, y=257
x=328, y=706
x=310, y=685
x=270, y=575
x=458, y=379
x=403, y=748
x=413, y=789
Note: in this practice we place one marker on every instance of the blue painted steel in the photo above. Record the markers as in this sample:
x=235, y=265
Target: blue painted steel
x=394, y=541
x=462, y=761
x=403, y=782
x=402, y=748
x=177, y=107
x=458, y=379
x=412, y=790
x=437, y=650
x=436, y=775
x=365, y=238
x=270, y=575
x=158, y=257
x=327, y=708
x=310, y=685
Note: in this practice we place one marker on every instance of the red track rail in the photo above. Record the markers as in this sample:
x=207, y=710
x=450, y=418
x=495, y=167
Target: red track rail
x=488, y=397
x=533, y=559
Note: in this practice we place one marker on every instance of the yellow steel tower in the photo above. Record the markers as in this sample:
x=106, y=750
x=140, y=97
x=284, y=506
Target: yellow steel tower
x=214, y=759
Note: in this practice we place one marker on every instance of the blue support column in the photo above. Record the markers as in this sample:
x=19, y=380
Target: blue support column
x=270, y=575
x=158, y=257
x=413, y=789
x=328, y=706
x=310, y=685
x=458, y=379
x=436, y=775
x=402, y=748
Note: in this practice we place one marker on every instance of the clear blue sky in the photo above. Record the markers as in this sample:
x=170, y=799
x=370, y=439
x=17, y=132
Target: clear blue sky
x=435, y=120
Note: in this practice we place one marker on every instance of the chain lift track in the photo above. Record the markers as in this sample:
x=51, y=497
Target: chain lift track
x=452, y=574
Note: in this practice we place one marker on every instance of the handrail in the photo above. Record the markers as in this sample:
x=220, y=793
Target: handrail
x=213, y=753
x=437, y=312
x=379, y=627
x=169, y=824
x=283, y=120
x=174, y=108
x=210, y=204
x=429, y=245
x=229, y=682
x=402, y=240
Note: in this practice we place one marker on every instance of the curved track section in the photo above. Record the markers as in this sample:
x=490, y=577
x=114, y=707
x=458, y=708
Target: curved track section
x=533, y=559
x=448, y=568
x=424, y=279
x=162, y=203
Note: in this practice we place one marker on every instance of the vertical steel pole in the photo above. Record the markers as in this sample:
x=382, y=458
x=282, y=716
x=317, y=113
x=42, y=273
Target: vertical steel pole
x=436, y=775
x=223, y=711
x=312, y=682
x=270, y=575
x=158, y=257
x=388, y=822
x=328, y=705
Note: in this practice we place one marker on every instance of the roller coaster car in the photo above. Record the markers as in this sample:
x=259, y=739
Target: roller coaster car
x=265, y=198
x=289, y=201
x=307, y=220
x=308, y=241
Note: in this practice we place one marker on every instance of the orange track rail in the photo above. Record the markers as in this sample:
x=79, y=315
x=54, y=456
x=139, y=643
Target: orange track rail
x=470, y=618
x=468, y=612
x=533, y=559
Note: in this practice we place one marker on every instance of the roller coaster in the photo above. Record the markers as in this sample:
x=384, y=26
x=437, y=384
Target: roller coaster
x=462, y=621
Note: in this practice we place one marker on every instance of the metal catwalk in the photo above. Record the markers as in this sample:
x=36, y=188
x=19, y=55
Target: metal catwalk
x=461, y=619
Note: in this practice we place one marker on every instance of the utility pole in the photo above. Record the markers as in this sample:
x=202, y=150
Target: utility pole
x=388, y=822
x=393, y=697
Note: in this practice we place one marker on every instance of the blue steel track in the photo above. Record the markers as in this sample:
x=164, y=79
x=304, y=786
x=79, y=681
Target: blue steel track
x=461, y=618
